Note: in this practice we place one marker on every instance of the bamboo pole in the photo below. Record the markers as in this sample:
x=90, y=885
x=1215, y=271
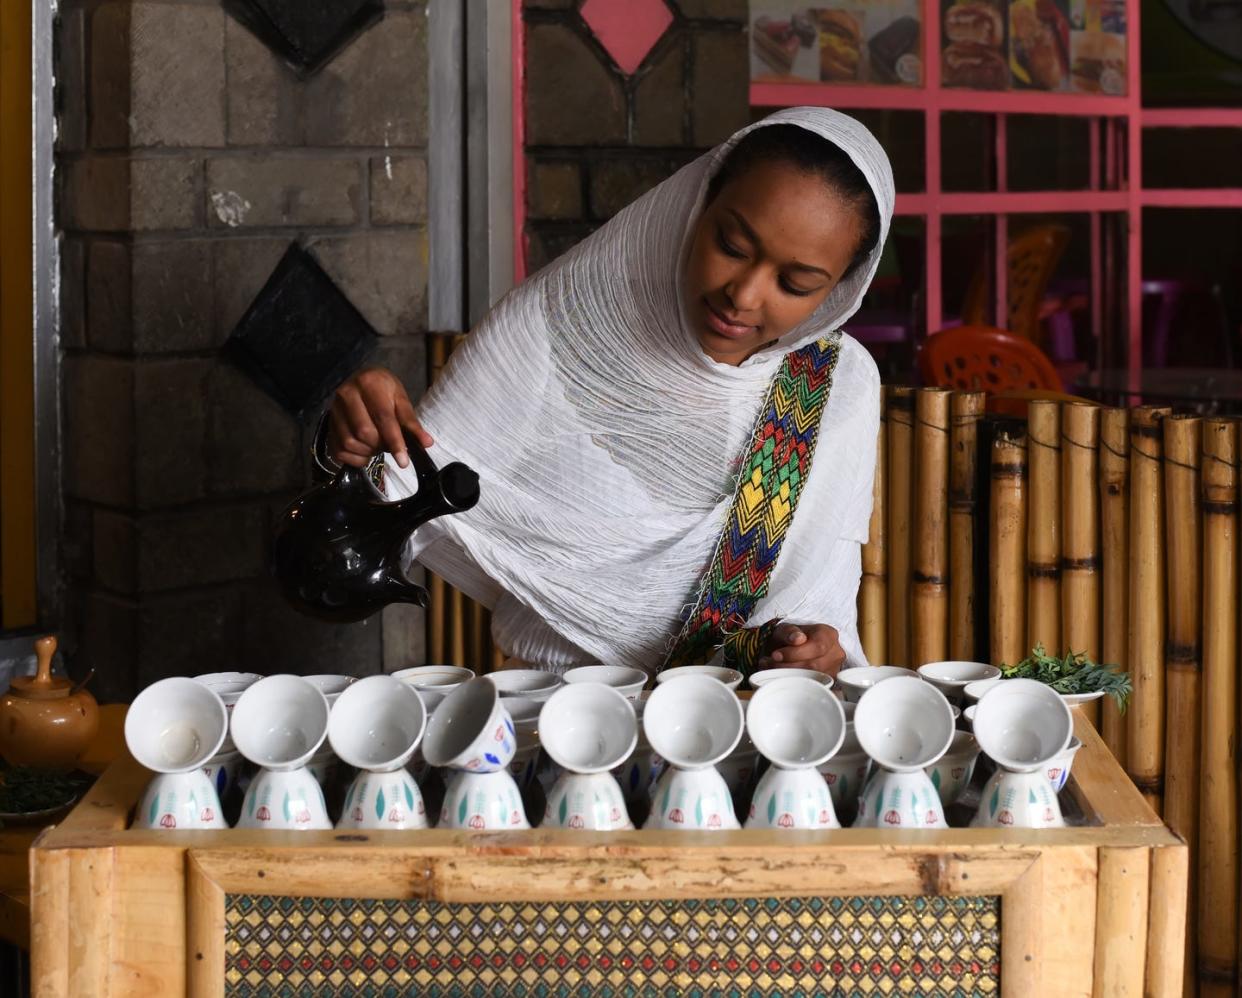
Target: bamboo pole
x=1145, y=717
x=873, y=589
x=900, y=405
x=457, y=627
x=1007, y=555
x=966, y=410
x=1115, y=561
x=1182, y=711
x=1217, y=869
x=437, y=616
x=1080, y=535
x=930, y=578
x=1043, y=526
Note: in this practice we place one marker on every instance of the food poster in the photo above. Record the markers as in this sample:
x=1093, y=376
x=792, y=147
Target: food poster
x=1039, y=44
x=867, y=41
x=973, y=45
x=1098, y=47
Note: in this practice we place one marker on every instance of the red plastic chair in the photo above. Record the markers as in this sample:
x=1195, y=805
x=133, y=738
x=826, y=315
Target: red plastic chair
x=985, y=359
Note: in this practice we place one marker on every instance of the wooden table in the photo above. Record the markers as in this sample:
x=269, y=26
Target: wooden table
x=1097, y=909
x=15, y=843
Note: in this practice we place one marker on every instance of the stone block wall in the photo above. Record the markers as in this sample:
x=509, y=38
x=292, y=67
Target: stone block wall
x=597, y=138
x=189, y=158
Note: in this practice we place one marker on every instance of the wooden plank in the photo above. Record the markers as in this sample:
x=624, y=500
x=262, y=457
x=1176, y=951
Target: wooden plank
x=1101, y=788
x=91, y=897
x=49, y=924
x=108, y=804
x=1023, y=948
x=680, y=869
x=1121, y=923
x=149, y=932
x=205, y=933
x=1166, y=926
x=1068, y=901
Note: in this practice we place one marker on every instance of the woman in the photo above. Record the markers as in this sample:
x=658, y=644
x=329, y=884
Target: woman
x=612, y=403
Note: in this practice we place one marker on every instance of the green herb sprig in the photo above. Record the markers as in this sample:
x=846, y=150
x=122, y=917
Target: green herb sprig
x=1075, y=673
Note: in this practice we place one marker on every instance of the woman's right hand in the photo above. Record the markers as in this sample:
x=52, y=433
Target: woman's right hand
x=367, y=416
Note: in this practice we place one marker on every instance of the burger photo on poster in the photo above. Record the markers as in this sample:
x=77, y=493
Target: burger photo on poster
x=974, y=57
x=1098, y=62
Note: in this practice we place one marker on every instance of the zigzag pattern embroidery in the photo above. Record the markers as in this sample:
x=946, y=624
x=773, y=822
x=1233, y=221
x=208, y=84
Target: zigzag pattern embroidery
x=777, y=464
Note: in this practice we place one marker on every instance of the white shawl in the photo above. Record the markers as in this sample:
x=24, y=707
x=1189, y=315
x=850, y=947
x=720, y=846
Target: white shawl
x=606, y=441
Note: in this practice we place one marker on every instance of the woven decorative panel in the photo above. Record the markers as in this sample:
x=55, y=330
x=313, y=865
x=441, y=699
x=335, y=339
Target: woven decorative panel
x=932, y=947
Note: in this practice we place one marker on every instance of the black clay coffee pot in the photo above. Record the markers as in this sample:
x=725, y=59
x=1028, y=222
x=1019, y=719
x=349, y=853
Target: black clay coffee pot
x=337, y=550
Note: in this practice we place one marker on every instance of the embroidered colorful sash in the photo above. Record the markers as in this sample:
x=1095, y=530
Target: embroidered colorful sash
x=777, y=463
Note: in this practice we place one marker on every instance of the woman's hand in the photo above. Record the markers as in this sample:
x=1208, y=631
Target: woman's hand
x=805, y=646
x=367, y=416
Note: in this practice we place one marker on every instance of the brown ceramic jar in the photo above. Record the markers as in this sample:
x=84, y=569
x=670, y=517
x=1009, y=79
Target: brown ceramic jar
x=44, y=723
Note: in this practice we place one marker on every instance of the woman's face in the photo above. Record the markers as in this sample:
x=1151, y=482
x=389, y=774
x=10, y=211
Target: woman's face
x=766, y=252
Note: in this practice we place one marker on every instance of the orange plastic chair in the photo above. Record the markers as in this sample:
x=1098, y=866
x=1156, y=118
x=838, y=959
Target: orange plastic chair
x=1032, y=256
x=985, y=359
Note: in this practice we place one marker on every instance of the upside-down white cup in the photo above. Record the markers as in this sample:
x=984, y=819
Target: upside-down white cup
x=279, y=724
x=434, y=682
x=471, y=730
x=174, y=727
x=798, y=724
x=375, y=727
x=587, y=729
x=225, y=765
x=951, y=773
x=905, y=725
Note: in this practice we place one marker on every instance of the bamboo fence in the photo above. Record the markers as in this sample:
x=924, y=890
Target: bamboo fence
x=1217, y=869
x=899, y=403
x=929, y=594
x=873, y=587
x=966, y=411
x=1080, y=535
x=1115, y=560
x=1043, y=531
x=1007, y=557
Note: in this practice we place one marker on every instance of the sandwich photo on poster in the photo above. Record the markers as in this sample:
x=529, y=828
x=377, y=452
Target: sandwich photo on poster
x=974, y=54
x=864, y=42
x=1039, y=45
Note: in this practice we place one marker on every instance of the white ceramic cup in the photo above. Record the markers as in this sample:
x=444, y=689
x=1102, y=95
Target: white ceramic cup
x=531, y=684
x=588, y=728
x=795, y=723
x=974, y=690
x=228, y=686
x=968, y=715
x=952, y=678
x=376, y=724
x=434, y=682
x=483, y=802
x=1018, y=800
x=471, y=730
x=951, y=773
x=280, y=722
x=693, y=722
x=765, y=676
x=1058, y=769
x=792, y=798
x=175, y=725
x=904, y=724
x=331, y=686
x=730, y=677
x=692, y=799
x=854, y=682
x=590, y=802
x=1022, y=724
x=629, y=681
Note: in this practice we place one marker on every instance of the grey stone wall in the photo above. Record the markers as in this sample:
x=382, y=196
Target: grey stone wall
x=596, y=139
x=189, y=157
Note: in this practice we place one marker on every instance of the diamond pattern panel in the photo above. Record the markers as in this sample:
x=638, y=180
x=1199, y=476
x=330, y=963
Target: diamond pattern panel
x=301, y=336
x=933, y=947
x=628, y=29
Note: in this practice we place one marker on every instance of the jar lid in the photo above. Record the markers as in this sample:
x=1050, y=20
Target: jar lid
x=42, y=685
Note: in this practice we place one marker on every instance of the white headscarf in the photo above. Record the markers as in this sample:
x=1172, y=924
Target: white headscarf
x=607, y=441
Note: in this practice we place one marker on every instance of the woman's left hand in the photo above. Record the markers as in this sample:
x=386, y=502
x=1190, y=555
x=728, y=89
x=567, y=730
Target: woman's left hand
x=805, y=646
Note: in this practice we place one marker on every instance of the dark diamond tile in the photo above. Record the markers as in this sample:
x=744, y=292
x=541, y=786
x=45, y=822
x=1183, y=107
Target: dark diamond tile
x=307, y=33
x=301, y=336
